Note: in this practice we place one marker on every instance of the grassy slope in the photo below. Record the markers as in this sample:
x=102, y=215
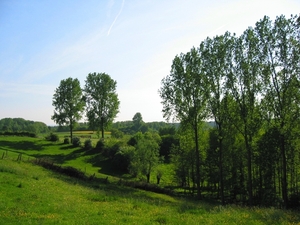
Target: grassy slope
x=31, y=195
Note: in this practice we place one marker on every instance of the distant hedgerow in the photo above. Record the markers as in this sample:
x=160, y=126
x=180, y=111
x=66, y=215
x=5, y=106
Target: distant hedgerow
x=22, y=133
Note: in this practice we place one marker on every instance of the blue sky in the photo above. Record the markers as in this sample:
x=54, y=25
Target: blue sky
x=134, y=41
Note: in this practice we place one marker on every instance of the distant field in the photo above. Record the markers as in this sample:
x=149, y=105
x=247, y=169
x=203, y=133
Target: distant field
x=84, y=132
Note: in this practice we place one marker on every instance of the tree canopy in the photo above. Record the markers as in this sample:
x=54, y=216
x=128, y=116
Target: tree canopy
x=22, y=125
x=101, y=99
x=68, y=102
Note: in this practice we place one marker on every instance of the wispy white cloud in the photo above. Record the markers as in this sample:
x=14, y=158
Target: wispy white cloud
x=111, y=26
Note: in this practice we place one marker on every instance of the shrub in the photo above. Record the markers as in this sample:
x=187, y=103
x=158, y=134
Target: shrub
x=66, y=140
x=111, y=147
x=122, y=158
x=115, y=133
x=52, y=137
x=100, y=145
x=88, y=144
x=76, y=141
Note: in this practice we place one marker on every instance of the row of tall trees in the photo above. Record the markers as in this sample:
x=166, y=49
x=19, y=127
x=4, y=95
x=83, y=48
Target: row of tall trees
x=249, y=85
x=98, y=100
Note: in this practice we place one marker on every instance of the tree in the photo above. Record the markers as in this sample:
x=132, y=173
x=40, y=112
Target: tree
x=244, y=85
x=137, y=120
x=279, y=54
x=184, y=97
x=138, y=123
x=68, y=102
x=146, y=155
x=215, y=55
x=102, y=100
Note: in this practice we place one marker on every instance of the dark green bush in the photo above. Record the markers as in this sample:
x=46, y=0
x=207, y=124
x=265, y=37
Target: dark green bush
x=121, y=159
x=88, y=144
x=66, y=140
x=76, y=141
x=52, y=137
x=100, y=145
x=115, y=133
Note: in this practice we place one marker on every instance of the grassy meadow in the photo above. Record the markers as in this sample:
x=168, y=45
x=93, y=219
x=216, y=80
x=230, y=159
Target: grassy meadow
x=30, y=194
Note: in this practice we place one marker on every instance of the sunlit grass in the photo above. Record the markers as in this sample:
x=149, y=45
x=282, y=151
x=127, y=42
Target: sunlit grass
x=29, y=194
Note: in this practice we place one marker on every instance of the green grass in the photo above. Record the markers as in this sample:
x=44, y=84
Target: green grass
x=30, y=194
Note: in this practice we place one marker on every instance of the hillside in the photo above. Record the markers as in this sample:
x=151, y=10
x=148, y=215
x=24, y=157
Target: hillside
x=30, y=194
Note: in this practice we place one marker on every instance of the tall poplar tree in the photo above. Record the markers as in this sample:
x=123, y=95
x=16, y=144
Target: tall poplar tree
x=215, y=54
x=243, y=83
x=279, y=54
x=184, y=97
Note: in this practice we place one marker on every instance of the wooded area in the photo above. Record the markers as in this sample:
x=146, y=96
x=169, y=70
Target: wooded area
x=249, y=85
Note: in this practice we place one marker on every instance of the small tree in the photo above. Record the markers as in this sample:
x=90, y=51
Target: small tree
x=146, y=156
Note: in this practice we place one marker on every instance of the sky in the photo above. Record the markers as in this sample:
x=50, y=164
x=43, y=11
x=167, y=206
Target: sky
x=133, y=41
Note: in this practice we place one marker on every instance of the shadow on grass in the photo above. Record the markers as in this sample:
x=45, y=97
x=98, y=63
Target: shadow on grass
x=60, y=158
x=113, y=191
x=67, y=147
x=104, y=164
x=21, y=145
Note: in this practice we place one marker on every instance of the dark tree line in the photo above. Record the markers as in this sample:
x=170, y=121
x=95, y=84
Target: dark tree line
x=249, y=86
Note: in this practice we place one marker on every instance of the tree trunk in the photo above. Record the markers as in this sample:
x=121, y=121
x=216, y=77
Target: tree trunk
x=71, y=130
x=148, y=177
x=249, y=167
x=197, y=161
x=221, y=175
x=102, y=128
x=284, y=173
x=157, y=179
x=220, y=137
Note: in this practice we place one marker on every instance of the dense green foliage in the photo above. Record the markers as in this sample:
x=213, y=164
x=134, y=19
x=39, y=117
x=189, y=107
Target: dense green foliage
x=52, y=137
x=102, y=100
x=249, y=86
x=69, y=103
x=22, y=125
